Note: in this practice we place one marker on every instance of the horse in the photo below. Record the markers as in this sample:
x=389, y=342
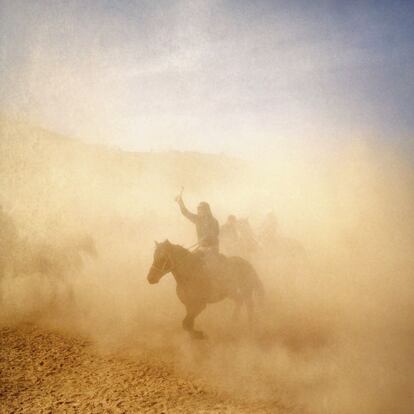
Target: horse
x=203, y=278
x=55, y=262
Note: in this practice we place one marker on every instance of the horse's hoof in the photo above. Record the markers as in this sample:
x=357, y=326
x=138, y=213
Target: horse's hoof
x=198, y=335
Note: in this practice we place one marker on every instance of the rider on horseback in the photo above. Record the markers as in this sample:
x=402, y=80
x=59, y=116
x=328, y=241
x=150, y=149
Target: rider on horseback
x=206, y=225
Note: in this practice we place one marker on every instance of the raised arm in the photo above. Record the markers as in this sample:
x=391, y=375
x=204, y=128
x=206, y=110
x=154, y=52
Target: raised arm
x=191, y=216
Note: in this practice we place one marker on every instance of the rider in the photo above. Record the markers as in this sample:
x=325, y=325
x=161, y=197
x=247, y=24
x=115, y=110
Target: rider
x=229, y=228
x=229, y=236
x=248, y=242
x=270, y=229
x=206, y=225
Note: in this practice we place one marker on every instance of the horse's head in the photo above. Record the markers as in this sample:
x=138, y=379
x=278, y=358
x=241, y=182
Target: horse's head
x=162, y=263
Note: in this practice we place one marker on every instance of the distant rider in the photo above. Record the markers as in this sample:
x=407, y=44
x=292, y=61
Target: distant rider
x=206, y=225
x=230, y=237
x=269, y=233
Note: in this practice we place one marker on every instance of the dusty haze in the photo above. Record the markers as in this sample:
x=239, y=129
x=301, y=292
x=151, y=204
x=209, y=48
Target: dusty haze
x=335, y=334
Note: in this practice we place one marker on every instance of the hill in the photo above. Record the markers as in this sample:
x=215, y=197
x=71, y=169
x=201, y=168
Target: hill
x=44, y=174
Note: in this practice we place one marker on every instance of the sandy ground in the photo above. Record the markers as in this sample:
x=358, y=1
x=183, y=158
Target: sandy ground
x=44, y=371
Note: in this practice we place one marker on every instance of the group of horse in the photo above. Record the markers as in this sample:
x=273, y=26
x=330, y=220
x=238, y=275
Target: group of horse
x=202, y=279
x=51, y=262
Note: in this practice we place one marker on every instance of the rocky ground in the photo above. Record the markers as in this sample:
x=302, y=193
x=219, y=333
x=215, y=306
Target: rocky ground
x=45, y=371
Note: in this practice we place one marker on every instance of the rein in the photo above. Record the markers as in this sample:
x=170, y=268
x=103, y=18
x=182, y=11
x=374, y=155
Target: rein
x=174, y=265
x=158, y=269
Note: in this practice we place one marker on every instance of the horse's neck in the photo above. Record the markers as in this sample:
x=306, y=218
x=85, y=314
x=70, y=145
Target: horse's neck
x=179, y=254
x=180, y=257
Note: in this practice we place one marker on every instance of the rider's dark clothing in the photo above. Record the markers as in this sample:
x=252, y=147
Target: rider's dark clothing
x=230, y=238
x=207, y=228
x=229, y=232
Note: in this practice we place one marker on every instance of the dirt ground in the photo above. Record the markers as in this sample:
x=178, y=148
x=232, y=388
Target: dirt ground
x=45, y=371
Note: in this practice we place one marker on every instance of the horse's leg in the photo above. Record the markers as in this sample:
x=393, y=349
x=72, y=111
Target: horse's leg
x=188, y=322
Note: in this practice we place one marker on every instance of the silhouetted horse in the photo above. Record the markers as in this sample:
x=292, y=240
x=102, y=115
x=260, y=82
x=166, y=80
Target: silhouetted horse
x=56, y=260
x=204, y=278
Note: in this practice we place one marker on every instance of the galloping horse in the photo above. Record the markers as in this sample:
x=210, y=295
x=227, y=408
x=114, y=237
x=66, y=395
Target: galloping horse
x=203, y=280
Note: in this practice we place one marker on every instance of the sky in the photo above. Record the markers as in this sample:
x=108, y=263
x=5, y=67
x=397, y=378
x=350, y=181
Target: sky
x=237, y=77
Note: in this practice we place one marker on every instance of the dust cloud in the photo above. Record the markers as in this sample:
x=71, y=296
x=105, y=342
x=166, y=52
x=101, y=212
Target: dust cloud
x=335, y=334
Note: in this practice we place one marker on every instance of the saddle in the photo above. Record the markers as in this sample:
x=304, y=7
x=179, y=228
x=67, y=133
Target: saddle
x=212, y=262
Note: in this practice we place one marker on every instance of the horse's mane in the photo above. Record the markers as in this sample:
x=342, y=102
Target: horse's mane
x=195, y=259
x=180, y=249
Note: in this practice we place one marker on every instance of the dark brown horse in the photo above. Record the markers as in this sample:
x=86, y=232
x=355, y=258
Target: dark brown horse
x=204, y=278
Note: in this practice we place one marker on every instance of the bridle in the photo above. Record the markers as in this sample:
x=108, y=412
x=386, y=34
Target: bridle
x=162, y=269
x=169, y=259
